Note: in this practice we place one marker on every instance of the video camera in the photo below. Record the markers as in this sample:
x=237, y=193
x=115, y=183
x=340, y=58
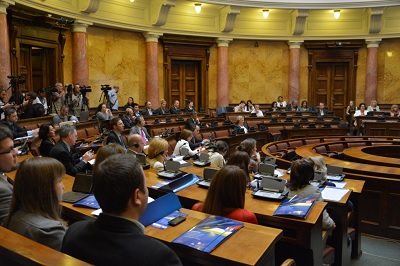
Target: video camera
x=16, y=80
x=50, y=90
x=85, y=89
x=69, y=88
x=105, y=88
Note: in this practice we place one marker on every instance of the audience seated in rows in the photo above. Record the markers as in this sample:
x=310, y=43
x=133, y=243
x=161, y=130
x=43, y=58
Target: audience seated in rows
x=293, y=106
x=239, y=126
x=162, y=110
x=242, y=160
x=129, y=104
x=115, y=135
x=64, y=116
x=373, y=107
x=226, y=196
x=189, y=107
x=140, y=129
x=192, y=121
x=103, y=114
x=249, y=107
x=108, y=150
x=157, y=153
x=128, y=118
x=46, y=134
x=10, y=121
x=175, y=109
x=304, y=107
x=195, y=142
x=281, y=103
x=135, y=144
x=217, y=153
x=148, y=111
x=250, y=147
x=257, y=111
x=240, y=107
x=184, y=139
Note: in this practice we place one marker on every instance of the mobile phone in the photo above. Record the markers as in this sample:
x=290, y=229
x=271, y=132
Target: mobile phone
x=177, y=220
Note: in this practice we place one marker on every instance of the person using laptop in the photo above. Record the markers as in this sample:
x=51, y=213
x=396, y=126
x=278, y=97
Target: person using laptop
x=8, y=163
x=217, y=152
x=157, y=153
x=62, y=151
x=119, y=186
x=135, y=144
x=301, y=173
x=184, y=139
x=115, y=135
x=226, y=196
x=63, y=116
x=10, y=121
x=35, y=209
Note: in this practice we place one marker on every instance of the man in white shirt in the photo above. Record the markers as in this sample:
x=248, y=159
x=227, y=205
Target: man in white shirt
x=113, y=98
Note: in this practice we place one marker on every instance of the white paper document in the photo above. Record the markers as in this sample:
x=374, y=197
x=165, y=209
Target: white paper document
x=339, y=184
x=333, y=194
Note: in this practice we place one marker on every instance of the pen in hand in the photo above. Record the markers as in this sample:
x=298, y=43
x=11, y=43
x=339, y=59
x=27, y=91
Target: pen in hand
x=292, y=198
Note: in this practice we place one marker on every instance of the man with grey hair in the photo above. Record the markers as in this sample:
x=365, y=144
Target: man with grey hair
x=58, y=97
x=294, y=106
x=62, y=151
x=8, y=163
x=63, y=116
x=3, y=105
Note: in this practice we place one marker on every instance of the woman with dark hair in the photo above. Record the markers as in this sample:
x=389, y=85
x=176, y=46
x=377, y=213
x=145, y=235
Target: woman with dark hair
x=46, y=134
x=108, y=150
x=242, y=160
x=35, y=205
x=301, y=173
x=226, y=196
x=185, y=137
x=249, y=107
x=274, y=107
x=250, y=147
x=157, y=153
x=217, y=152
x=304, y=106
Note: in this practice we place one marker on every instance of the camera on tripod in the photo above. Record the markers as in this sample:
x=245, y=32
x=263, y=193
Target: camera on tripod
x=50, y=90
x=105, y=88
x=16, y=80
x=85, y=89
x=69, y=88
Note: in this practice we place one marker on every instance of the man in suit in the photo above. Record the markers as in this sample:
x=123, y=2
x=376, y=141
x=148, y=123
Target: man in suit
x=62, y=151
x=321, y=110
x=135, y=144
x=10, y=121
x=115, y=135
x=192, y=122
x=129, y=119
x=140, y=129
x=195, y=142
x=292, y=106
x=119, y=186
x=8, y=163
x=175, y=109
x=148, y=111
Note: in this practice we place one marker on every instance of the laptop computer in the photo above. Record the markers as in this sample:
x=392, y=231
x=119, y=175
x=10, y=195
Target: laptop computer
x=84, y=116
x=81, y=188
x=142, y=159
x=265, y=170
x=335, y=173
x=203, y=160
x=318, y=180
x=208, y=174
x=271, y=188
x=171, y=170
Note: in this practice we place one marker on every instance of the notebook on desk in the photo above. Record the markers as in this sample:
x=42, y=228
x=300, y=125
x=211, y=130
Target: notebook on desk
x=81, y=188
x=335, y=173
x=171, y=170
x=265, y=170
x=203, y=160
x=271, y=188
x=208, y=174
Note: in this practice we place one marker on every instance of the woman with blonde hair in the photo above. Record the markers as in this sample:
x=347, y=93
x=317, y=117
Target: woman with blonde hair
x=162, y=110
x=319, y=164
x=157, y=153
x=394, y=110
x=226, y=195
x=373, y=107
x=35, y=206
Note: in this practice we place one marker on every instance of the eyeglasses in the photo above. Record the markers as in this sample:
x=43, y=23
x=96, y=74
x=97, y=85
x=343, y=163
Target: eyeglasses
x=9, y=151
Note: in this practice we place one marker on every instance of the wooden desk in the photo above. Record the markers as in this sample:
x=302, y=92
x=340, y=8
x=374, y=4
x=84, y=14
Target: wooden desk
x=19, y=250
x=375, y=128
x=312, y=132
x=370, y=155
x=298, y=235
x=252, y=245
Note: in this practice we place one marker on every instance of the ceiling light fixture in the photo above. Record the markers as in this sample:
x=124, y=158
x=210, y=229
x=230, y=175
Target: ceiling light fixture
x=132, y=1
x=265, y=13
x=336, y=14
x=197, y=8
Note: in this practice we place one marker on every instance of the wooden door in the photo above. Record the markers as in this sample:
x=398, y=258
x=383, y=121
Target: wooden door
x=185, y=83
x=331, y=86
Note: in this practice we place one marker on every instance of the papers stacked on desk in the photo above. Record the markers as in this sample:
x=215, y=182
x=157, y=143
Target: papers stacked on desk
x=334, y=193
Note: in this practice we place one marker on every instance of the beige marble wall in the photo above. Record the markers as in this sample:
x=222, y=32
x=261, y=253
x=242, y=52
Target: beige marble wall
x=258, y=73
x=213, y=77
x=361, y=75
x=389, y=71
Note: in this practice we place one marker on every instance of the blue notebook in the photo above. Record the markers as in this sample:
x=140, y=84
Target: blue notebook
x=88, y=202
x=297, y=207
x=209, y=233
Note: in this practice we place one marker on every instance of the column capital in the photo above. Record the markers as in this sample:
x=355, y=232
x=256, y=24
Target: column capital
x=152, y=36
x=222, y=42
x=80, y=26
x=373, y=43
x=295, y=44
x=4, y=4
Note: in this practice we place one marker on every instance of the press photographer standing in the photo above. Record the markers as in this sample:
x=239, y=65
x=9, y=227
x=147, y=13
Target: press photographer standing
x=58, y=97
x=113, y=98
x=78, y=101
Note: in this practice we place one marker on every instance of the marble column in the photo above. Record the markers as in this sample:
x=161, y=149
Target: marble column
x=294, y=71
x=80, y=65
x=5, y=59
x=152, y=89
x=371, y=78
x=223, y=73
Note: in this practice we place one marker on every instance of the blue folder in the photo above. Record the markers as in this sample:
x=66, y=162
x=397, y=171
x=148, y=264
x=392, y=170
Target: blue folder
x=160, y=208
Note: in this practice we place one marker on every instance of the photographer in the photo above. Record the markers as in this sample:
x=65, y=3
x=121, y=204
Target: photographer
x=41, y=98
x=78, y=100
x=3, y=105
x=113, y=98
x=58, y=97
x=63, y=116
